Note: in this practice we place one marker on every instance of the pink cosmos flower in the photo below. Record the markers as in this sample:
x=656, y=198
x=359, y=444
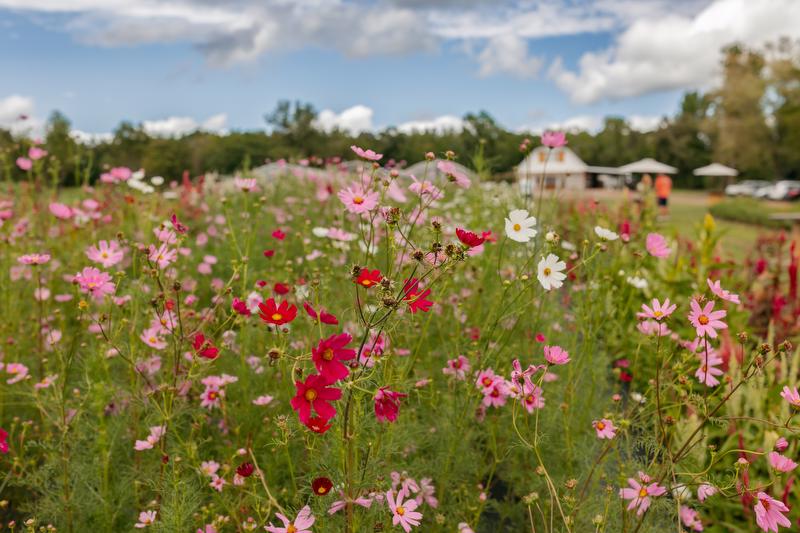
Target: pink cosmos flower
x=690, y=518
x=781, y=463
x=338, y=505
x=387, y=404
x=427, y=493
x=95, y=282
x=18, y=371
x=301, y=524
x=449, y=168
x=217, y=483
x=705, y=320
x=36, y=153
x=656, y=245
x=605, y=428
x=708, y=371
x=24, y=163
x=781, y=444
x=152, y=338
x=34, y=259
x=769, y=512
x=245, y=184
x=425, y=188
x=705, y=491
x=792, y=396
x=61, y=211
x=532, y=397
x=403, y=513
x=640, y=493
x=163, y=255
x=146, y=519
x=657, y=311
x=554, y=139
x=556, y=355
x=212, y=396
x=107, y=253
x=358, y=201
x=457, y=367
x=721, y=293
x=496, y=394
x=369, y=155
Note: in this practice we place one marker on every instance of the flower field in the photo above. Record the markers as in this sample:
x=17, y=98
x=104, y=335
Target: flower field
x=347, y=348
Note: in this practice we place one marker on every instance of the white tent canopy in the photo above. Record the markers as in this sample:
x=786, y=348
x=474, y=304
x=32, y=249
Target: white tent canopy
x=715, y=169
x=648, y=165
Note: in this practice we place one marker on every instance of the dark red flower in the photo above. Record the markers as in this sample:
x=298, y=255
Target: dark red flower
x=387, y=404
x=329, y=354
x=470, y=239
x=261, y=284
x=203, y=347
x=277, y=314
x=321, y=486
x=323, y=316
x=278, y=234
x=240, y=307
x=488, y=237
x=315, y=394
x=169, y=305
x=269, y=253
x=3, y=441
x=368, y=278
x=416, y=299
x=281, y=289
x=245, y=469
x=317, y=424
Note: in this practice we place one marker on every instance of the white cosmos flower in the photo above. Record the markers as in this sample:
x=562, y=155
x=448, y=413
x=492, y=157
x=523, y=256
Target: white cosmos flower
x=320, y=231
x=551, y=272
x=519, y=226
x=605, y=234
x=636, y=281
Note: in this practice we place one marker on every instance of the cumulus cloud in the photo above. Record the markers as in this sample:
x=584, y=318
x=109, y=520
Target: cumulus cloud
x=178, y=126
x=508, y=54
x=440, y=124
x=591, y=123
x=17, y=115
x=353, y=120
x=675, y=51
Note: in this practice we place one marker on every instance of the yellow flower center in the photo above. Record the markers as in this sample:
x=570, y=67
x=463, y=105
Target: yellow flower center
x=400, y=511
x=487, y=382
x=642, y=492
x=547, y=271
x=600, y=426
x=658, y=314
x=310, y=395
x=328, y=354
x=152, y=340
x=703, y=319
x=104, y=255
x=321, y=490
x=517, y=227
x=277, y=316
x=358, y=200
x=291, y=529
x=366, y=283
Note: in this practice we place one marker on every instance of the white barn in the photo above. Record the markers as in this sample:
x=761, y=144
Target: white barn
x=563, y=169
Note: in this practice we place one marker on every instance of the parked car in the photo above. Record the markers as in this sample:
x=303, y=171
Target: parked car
x=746, y=187
x=784, y=190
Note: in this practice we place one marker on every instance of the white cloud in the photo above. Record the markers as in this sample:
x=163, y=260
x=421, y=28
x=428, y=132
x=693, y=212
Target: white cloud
x=353, y=120
x=508, y=54
x=676, y=51
x=85, y=137
x=644, y=123
x=17, y=115
x=592, y=124
x=440, y=124
x=178, y=126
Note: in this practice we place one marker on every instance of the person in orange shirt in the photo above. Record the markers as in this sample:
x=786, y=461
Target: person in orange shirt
x=663, y=187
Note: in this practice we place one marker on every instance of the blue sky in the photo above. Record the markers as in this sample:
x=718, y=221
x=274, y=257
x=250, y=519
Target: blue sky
x=177, y=65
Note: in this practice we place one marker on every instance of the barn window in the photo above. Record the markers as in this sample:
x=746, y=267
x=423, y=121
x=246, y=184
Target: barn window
x=542, y=156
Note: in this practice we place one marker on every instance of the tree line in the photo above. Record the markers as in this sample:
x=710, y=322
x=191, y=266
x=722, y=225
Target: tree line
x=750, y=121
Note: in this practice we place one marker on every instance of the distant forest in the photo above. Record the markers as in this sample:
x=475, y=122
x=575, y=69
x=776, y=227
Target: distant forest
x=751, y=121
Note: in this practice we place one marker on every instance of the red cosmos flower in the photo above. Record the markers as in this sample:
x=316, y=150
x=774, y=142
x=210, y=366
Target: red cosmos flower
x=203, y=347
x=416, y=300
x=321, y=486
x=240, y=307
x=281, y=289
x=274, y=314
x=278, y=234
x=180, y=228
x=367, y=278
x=3, y=441
x=245, y=469
x=269, y=253
x=317, y=424
x=261, y=284
x=323, y=316
x=488, y=237
x=469, y=238
x=387, y=404
x=314, y=394
x=329, y=354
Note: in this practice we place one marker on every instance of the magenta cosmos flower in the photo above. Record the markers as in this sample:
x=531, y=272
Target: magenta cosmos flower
x=329, y=354
x=656, y=245
x=657, y=310
x=387, y=404
x=554, y=139
x=369, y=155
x=301, y=524
x=314, y=393
x=358, y=201
x=705, y=320
x=640, y=493
x=95, y=282
x=556, y=355
x=769, y=512
x=721, y=293
x=605, y=428
x=403, y=513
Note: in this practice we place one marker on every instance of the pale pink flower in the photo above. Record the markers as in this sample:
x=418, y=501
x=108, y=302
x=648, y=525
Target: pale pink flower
x=458, y=367
x=721, y=293
x=403, y=513
x=690, y=518
x=705, y=320
x=640, y=492
x=61, y=211
x=781, y=463
x=152, y=338
x=217, y=483
x=425, y=188
x=769, y=512
x=34, y=259
x=301, y=524
x=554, y=139
x=18, y=371
x=36, y=153
x=657, y=310
x=781, y=444
x=107, y=253
x=656, y=245
x=449, y=168
x=792, y=396
x=245, y=184
x=358, y=201
x=605, y=428
x=24, y=163
x=263, y=400
x=427, y=493
x=95, y=282
x=708, y=370
x=209, y=468
x=369, y=155
x=556, y=355
x=163, y=255
x=338, y=505
x=532, y=397
x=146, y=518
x=705, y=491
